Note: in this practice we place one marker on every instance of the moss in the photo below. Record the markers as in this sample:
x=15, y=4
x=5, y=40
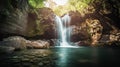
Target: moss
x=36, y=3
x=40, y=27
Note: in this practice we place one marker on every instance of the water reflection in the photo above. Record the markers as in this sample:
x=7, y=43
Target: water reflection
x=63, y=57
x=86, y=57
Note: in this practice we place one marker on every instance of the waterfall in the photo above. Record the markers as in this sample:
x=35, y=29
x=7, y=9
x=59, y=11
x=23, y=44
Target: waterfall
x=64, y=29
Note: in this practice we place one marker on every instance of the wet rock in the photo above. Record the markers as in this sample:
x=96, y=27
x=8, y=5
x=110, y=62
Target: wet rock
x=79, y=34
x=75, y=18
x=30, y=57
x=15, y=60
x=15, y=41
x=40, y=64
x=19, y=43
x=25, y=60
x=26, y=64
x=4, y=49
x=95, y=30
x=54, y=42
x=82, y=43
x=46, y=62
x=40, y=24
x=104, y=38
x=27, y=23
x=15, y=57
x=115, y=36
x=38, y=44
x=44, y=55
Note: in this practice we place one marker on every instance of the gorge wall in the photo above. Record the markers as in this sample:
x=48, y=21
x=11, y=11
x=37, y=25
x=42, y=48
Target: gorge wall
x=98, y=23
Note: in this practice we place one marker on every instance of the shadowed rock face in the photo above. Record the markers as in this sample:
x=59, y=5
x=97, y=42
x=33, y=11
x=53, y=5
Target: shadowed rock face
x=29, y=24
x=93, y=29
x=93, y=26
x=76, y=17
x=41, y=24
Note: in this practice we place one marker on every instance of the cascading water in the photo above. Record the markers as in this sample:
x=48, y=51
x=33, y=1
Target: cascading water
x=64, y=30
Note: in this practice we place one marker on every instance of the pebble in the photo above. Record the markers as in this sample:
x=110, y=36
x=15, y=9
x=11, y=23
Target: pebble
x=40, y=64
x=15, y=57
x=30, y=59
x=25, y=60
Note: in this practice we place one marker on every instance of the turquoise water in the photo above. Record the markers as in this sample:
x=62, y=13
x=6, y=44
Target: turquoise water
x=63, y=57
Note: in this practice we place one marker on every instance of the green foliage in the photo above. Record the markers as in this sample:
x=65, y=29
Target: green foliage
x=78, y=5
x=36, y=3
x=39, y=28
x=73, y=5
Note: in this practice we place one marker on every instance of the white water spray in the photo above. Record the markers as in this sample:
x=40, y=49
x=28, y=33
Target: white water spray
x=64, y=30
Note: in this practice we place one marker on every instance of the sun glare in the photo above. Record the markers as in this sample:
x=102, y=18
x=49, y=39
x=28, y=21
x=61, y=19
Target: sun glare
x=60, y=2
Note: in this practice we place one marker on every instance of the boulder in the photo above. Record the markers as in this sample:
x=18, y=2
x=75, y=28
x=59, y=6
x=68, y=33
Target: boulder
x=19, y=43
x=14, y=41
x=95, y=30
x=40, y=44
x=82, y=43
x=54, y=42
x=79, y=34
x=5, y=49
x=115, y=36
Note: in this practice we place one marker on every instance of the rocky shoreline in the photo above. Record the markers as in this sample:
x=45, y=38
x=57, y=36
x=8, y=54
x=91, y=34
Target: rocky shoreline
x=16, y=43
x=28, y=58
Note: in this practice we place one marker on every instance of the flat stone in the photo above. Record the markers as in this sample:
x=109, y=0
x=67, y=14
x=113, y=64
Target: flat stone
x=6, y=49
x=15, y=57
x=26, y=64
x=25, y=59
x=44, y=55
x=46, y=62
x=40, y=64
